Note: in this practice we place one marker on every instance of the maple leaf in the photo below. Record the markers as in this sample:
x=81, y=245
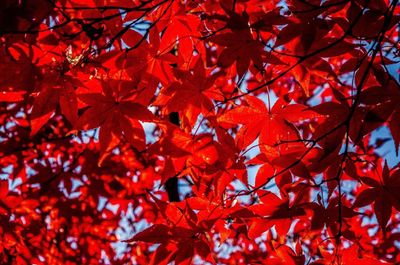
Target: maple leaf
x=383, y=193
x=328, y=216
x=180, y=31
x=159, y=59
x=50, y=97
x=271, y=126
x=117, y=114
x=187, y=232
x=336, y=116
x=185, y=154
x=192, y=94
x=275, y=211
x=240, y=47
x=384, y=105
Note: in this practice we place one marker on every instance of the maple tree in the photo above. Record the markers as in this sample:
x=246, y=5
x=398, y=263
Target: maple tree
x=199, y=132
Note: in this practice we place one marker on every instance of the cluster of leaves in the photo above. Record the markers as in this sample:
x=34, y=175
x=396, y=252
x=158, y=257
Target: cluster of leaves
x=209, y=132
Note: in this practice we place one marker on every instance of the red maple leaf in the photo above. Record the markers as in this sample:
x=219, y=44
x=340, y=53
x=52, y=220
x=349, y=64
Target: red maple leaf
x=383, y=193
x=272, y=126
x=117, y=114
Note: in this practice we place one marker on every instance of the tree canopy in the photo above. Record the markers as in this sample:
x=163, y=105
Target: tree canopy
x=199, y=132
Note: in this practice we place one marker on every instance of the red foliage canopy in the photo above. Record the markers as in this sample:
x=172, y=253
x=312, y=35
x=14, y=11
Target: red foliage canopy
x=199, y=132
